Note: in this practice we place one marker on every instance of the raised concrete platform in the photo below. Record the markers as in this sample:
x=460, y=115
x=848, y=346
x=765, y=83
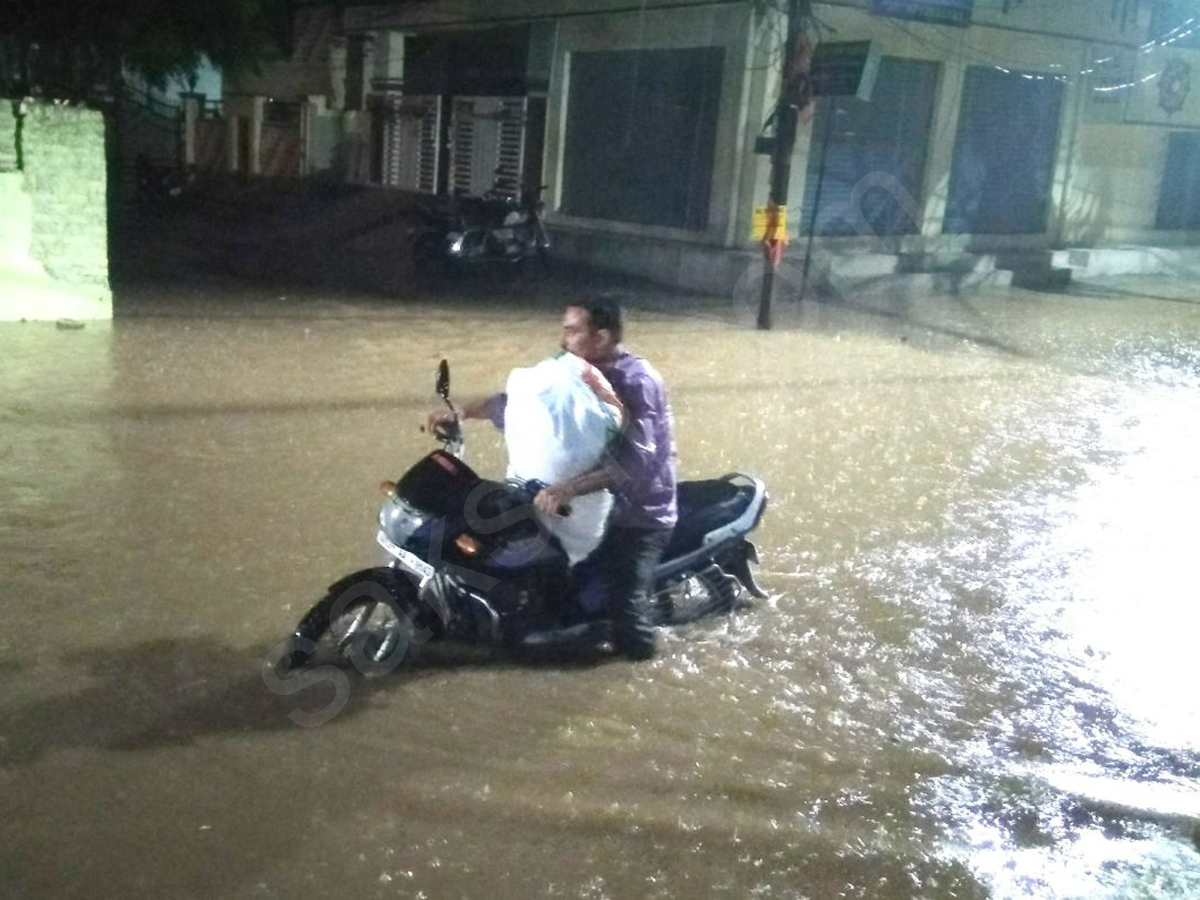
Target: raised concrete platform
x=1100, y=262
x=34, y=297
x=853, y=274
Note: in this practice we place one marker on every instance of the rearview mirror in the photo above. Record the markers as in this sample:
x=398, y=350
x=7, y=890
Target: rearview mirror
x=443, y=381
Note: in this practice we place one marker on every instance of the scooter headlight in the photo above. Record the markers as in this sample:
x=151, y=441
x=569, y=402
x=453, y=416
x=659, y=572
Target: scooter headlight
x=399, y=521
x=455, y=243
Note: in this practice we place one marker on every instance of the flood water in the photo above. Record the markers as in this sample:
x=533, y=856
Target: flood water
x=974, y=676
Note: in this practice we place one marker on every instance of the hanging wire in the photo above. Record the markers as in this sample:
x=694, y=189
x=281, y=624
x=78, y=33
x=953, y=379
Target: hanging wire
x=1120, y=87
x=975, y=54
x=979, y=56
x=773, y=15
x=1168, y=38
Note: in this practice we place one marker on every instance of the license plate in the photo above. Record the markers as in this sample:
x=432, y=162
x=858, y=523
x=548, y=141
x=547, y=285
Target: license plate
x=408, y=561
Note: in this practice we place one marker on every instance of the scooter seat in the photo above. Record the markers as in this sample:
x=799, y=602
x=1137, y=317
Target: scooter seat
x=704, y=506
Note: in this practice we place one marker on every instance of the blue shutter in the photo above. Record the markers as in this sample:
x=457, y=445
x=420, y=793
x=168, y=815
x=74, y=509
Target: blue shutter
x=888, y=134
x=1003, y=169
x=1179, y=198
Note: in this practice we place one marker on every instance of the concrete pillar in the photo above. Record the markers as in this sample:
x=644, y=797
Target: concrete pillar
x=356, y=133
x=256, y=122
x=304, y=139
x=389, y=62
x=1075, y=93
x=943, y=131
x=337, y=73
x=310, y=111
x=370, y=52
x=232, y=143
x=192, y=104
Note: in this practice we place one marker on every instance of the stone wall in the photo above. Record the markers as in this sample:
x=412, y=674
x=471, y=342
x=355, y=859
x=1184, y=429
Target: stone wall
x=65, y=171
x=9, y=160
x=54, y=214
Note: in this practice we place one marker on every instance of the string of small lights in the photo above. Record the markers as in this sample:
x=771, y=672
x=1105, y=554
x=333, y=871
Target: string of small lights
x=1167, y=39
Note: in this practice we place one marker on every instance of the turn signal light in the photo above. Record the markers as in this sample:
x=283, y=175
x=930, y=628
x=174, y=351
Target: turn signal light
x=389, y=488
x=467, y=544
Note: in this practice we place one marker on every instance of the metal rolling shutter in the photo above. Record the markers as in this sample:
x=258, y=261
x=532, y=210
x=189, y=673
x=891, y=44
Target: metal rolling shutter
x=1179, y=197
x=1003, y=168
x=888, y=134
x=641, y=135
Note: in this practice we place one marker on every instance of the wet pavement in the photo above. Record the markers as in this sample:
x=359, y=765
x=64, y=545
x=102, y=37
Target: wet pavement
x=974, y=676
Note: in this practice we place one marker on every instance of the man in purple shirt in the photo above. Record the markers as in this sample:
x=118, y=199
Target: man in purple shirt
x=639, y=470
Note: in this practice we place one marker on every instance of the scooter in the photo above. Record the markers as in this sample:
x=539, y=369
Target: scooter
x=467, y=560
x=493, y=229
x=159, y=185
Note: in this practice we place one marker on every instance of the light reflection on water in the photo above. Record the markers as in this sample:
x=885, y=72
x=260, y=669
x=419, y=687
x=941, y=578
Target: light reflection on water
x=1088, y=786
x=971, y=677
x=1131, y=540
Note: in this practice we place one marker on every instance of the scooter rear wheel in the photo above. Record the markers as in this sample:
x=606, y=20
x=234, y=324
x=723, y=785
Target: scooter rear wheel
x=709, y=593
x=428, y=258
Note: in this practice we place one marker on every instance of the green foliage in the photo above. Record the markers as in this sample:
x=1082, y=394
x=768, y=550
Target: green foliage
x=69, y=47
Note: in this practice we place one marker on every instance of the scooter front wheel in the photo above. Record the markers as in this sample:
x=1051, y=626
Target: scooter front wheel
x=368, y=621
x=536, y=265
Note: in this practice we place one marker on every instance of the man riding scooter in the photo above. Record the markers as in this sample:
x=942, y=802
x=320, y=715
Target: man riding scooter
x=640, y=469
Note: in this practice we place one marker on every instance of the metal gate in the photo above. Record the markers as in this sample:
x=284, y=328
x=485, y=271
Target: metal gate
x=411, y=130
x=487, y=145
x=148, y=128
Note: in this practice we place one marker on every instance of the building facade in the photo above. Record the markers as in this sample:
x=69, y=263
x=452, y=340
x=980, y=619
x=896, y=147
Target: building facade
x=1022, y=135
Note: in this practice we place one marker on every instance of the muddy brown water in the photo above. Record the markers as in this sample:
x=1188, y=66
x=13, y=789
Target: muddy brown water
x=974, y=676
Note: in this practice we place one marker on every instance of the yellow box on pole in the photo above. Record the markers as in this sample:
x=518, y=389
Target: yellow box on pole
x=762, y=216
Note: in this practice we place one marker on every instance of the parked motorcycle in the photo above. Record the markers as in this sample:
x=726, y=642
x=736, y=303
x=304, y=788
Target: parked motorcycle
x=161, y=185
x=467, y=560
x=493, y=229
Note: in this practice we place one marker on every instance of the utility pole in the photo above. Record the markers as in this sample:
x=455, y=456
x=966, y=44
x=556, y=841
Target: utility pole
x=795, y=93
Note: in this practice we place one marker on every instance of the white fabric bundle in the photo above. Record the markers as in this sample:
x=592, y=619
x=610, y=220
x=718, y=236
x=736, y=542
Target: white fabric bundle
x=560, y=416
